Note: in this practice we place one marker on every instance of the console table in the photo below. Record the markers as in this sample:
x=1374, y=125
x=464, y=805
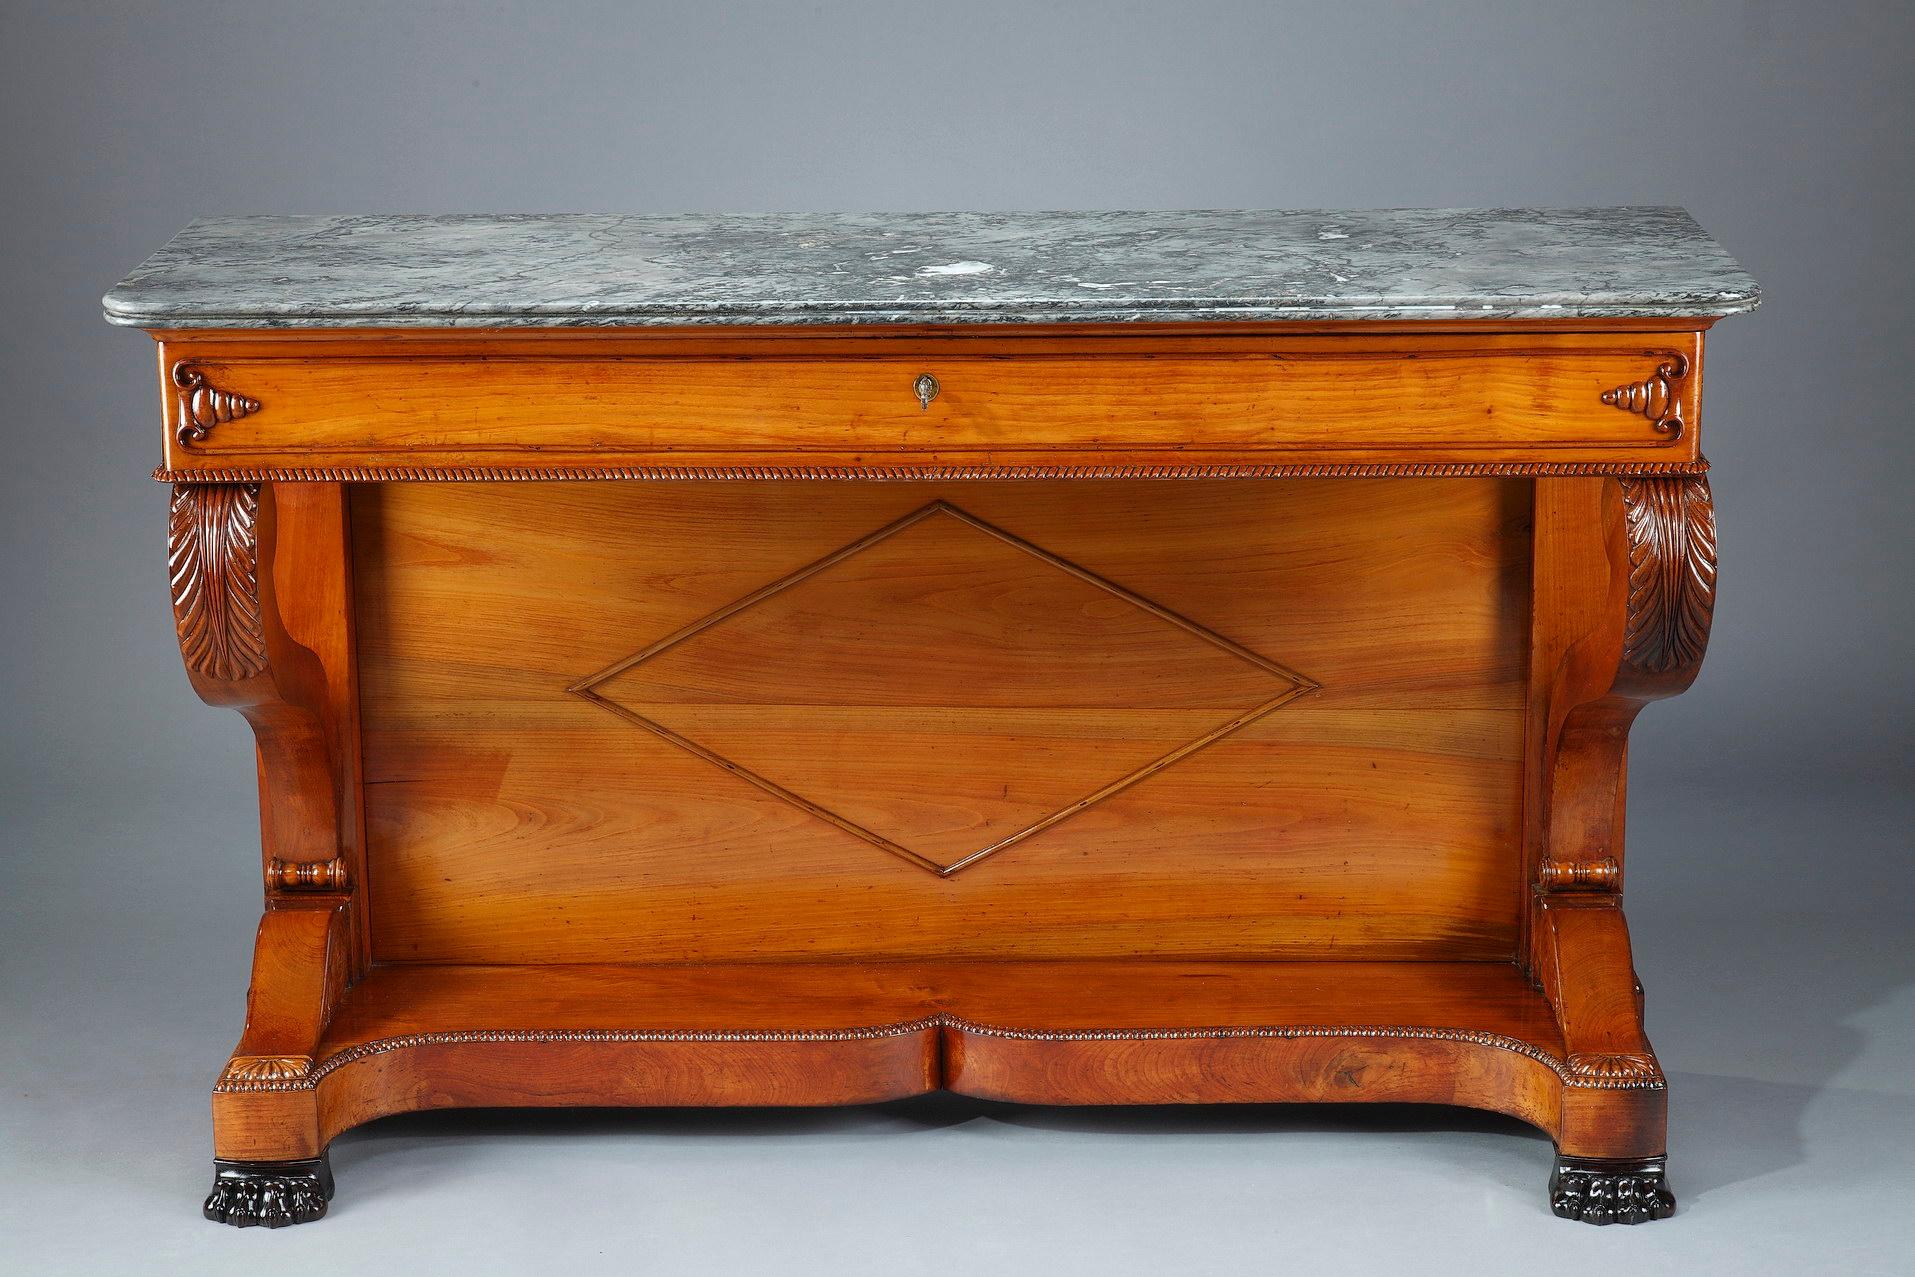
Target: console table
x=1076, y=658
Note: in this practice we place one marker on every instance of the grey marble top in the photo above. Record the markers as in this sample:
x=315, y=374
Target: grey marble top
x=582, y=270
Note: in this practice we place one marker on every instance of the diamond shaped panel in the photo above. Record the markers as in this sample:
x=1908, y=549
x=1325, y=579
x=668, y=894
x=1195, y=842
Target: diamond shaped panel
x=943, y=689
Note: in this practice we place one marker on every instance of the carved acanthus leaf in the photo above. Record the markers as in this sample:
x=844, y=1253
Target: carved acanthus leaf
x=1672, y=572
x=213, y=556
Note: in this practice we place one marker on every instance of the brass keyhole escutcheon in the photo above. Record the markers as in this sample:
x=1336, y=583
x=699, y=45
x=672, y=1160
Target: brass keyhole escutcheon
x=926, y=389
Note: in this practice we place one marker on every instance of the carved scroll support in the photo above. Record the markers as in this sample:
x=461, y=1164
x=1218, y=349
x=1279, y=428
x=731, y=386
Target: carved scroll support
x=1624, y=584
x=1651, y=590
x=221, y=542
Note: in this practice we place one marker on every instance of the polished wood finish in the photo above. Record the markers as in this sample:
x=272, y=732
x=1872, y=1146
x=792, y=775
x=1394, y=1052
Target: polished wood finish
x=1058, y=1032
x=1383, y=711
x=262, y=604
x=820, y=400
x=1084, y=788
x=201, y=405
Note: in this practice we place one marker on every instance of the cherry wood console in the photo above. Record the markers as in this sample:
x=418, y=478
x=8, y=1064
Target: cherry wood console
x=1063, y=658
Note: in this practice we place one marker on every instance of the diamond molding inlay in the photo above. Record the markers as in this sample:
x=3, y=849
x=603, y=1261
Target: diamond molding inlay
x=1009, y=636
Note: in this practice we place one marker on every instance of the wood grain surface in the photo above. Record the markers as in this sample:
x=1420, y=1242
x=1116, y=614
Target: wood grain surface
x=707, y=786
x=827, y=397
x=941, y=687
x=1127, y=1030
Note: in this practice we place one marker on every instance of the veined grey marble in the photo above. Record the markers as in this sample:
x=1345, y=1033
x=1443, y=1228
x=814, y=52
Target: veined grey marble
x=584, y=270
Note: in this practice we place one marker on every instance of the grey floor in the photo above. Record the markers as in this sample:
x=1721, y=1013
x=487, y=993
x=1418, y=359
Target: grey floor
x=1787, y=1033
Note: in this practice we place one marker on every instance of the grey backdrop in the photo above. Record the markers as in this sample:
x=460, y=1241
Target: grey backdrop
x=1771, y=805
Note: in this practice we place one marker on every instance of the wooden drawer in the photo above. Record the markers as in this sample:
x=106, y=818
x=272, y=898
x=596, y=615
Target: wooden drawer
x=583, y=399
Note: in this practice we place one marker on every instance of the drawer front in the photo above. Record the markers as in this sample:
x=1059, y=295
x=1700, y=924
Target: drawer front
x=1625, y=398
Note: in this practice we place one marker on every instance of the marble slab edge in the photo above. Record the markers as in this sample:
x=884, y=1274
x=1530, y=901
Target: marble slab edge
x=812, y=316
x=1135, y=267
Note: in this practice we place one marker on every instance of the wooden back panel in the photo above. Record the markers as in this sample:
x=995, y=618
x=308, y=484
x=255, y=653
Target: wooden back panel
x=681, y=722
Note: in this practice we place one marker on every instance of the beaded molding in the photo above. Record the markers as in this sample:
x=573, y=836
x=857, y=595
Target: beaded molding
x=941, y=473
x=1641, y=1080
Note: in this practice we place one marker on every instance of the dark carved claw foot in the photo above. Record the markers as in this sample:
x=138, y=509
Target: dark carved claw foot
x=269, y=1194
x=1601, y=1191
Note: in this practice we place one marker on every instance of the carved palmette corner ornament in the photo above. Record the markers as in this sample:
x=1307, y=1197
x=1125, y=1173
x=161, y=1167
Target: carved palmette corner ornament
x=203, y=405
x=1672, y=573
x=251, y=1071
x=1614, y=1070
x=213, y=558
x=1657, y=397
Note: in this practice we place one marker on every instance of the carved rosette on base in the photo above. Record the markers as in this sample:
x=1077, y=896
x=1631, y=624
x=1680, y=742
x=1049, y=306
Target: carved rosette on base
x=269, y=1194
x=1602, y=1191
